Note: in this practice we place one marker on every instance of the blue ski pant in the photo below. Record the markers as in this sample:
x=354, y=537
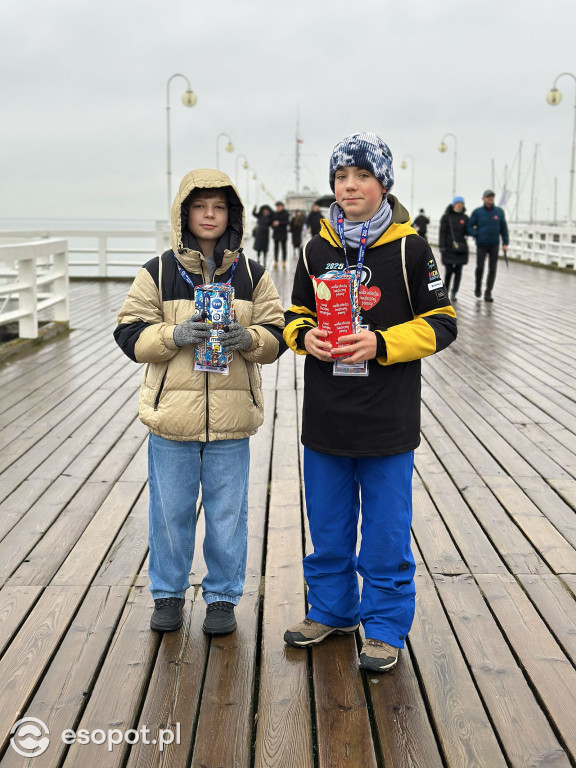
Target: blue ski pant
x=336, y=489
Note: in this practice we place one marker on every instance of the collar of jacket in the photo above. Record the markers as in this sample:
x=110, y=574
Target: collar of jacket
x=192, y=261
x=399, y=227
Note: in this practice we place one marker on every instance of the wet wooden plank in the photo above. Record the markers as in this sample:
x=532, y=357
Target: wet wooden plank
x=120, y=687
x=462, y=725
x=550, y=671
x=404, y=732
x=284, y=735
x=26, y=658
x=70, y=677
x=343, y=730
x=522, y=727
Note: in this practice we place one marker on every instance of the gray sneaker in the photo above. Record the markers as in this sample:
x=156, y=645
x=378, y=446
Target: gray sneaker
x=377, y=656
x=310, y=632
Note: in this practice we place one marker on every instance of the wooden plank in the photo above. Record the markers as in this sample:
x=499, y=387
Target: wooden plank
x=543, y=660
x=84, y=560
x=173, y=695
x=522, y=727
x=228, y=699
x=24, y=662
x=404, y=731
x=464, y=731
x=343, y=730
x=116, y=698
x=70, y=677
x=283, y=736
x=556, y=606
x=15, y=604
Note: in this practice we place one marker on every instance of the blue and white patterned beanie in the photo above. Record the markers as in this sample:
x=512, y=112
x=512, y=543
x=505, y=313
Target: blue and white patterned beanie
x=364, y=150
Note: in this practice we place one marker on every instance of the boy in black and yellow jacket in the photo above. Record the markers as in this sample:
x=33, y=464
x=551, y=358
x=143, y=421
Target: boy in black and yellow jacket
x=360, y=431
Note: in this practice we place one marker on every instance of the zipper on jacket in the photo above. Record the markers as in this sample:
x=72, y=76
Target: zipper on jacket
x=207, y=432
x=251, y=388
x=160, y=390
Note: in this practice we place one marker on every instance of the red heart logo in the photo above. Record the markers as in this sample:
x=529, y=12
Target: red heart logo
x=369, y=297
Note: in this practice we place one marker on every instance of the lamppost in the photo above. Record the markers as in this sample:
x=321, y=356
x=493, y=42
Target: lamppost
x=246, y=166
x=229, y=147
x=554, y=97
x=442, y=147
x=189, y=99
x=404, y=165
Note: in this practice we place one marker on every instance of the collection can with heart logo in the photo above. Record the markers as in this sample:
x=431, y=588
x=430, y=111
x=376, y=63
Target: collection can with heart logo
x=336, y=305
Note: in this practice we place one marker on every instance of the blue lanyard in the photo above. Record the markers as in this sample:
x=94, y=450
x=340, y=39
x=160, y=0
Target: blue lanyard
x=186, y=276
x=361, y=247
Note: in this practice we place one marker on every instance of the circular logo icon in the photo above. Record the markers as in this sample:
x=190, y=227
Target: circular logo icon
x=29, y=737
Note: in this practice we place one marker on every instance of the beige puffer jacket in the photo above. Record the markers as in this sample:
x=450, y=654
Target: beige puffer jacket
x=177, y=402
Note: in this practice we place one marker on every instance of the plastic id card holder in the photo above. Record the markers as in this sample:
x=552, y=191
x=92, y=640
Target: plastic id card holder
x=342, y=368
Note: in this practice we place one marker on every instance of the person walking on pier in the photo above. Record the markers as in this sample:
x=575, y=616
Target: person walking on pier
x=296, y=227
x=453, y=245
x=313, y=219
x=487, y=225
x=199, y=421
x=262, y=232
x=420, y=223
x=361, y=418
x=279, y=222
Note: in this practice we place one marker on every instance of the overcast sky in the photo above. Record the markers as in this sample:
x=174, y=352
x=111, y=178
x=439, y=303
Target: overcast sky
x=83, y=97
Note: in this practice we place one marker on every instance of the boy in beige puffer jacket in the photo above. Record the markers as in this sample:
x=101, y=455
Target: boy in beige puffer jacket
x=200, y=422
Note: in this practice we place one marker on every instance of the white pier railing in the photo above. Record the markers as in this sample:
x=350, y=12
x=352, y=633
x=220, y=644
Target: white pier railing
x=33, y=278
x=547, y=244
x=103, y=253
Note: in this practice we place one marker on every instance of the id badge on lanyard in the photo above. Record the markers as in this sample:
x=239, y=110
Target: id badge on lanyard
x=341, y=367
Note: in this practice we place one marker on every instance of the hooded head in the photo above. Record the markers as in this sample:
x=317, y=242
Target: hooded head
x=367, y=151
x=182, y=239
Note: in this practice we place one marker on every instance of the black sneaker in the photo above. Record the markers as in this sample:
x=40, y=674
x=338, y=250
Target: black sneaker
x=453, y=298
x=219, y=618
x=488, y=297
x=167, y=615
x=478, y=293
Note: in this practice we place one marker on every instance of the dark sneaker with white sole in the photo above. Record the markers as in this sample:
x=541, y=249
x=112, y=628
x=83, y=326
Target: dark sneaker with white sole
x=167, y=616
x=310, y=632
x=378, y=656
x=220, y=618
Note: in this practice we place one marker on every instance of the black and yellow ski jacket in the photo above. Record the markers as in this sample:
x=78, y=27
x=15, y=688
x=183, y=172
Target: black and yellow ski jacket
x=410, y=312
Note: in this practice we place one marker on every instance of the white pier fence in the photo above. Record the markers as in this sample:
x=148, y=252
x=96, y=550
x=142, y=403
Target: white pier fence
x=33, y=278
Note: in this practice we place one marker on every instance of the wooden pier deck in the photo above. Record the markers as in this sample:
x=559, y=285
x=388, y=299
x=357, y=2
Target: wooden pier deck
x=487, y=679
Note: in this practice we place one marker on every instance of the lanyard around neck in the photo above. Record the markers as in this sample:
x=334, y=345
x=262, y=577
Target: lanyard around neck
x=186, y=276
x=361, y=247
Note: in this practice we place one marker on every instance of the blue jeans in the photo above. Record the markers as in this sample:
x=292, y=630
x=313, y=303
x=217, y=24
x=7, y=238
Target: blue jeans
x=332, y=486
x=175, y=471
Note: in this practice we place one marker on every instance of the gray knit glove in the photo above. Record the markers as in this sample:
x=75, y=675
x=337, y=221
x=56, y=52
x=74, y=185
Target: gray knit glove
x=191, y=331
x=235, y=336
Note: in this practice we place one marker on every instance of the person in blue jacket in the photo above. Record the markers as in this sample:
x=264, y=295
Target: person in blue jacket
x=487, y=225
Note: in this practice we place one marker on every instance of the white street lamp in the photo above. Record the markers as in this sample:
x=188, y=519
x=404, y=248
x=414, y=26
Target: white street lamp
x=229, y=147
x=189, y=99
x=554, y=97
x=404, y=165
x=443, y=147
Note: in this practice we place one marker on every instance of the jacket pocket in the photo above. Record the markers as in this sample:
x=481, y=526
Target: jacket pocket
x=255, y=383
x=158, y=394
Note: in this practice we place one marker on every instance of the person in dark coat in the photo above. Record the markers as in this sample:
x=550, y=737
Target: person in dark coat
x=279, y=223
x=262, y=232
x=452, y=242
x=488, y=225
x=313, y=219
x=296, y=226
x=420, y=223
